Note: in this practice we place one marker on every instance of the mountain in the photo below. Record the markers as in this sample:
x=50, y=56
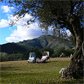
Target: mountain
x=40, y=42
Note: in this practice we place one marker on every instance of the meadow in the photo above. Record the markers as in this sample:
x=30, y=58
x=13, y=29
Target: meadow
x=21, y=72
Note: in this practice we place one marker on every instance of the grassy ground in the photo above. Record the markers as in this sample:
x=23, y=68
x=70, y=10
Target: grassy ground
x=22, y=72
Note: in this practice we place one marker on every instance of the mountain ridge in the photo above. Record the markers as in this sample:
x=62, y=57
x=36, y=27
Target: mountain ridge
x=40, y=42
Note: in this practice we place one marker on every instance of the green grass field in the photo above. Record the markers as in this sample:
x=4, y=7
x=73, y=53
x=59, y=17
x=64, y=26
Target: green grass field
x=21, y=72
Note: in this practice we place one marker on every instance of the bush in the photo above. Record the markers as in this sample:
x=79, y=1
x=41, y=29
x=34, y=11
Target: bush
x=66, y=51
x=25, y=56
x=3, y=56
x=14, y=57
x=55, y=55
x=37, y=51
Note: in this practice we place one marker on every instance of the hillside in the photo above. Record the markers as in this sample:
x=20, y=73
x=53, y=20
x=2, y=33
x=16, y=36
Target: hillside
x=41, y=42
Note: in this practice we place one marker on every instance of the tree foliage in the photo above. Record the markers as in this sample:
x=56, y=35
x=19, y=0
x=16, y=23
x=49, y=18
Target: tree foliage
x=49, y=12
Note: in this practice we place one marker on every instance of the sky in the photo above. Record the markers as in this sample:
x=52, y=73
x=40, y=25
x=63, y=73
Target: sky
x=19, y=31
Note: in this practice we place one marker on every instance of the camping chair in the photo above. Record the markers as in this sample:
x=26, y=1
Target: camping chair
x=32, y=57
x=44, y=57
x=48, y=57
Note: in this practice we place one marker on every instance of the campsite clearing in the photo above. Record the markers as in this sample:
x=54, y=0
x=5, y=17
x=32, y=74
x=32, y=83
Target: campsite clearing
x=23, y=72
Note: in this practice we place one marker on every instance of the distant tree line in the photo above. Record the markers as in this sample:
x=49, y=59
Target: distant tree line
x=18, y=56
x=67, y=52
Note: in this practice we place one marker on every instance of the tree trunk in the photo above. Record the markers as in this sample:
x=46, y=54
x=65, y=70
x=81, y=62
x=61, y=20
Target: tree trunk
x=75, y=68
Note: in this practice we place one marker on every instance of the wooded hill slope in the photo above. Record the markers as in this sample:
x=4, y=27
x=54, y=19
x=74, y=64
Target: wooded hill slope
x=40, y=42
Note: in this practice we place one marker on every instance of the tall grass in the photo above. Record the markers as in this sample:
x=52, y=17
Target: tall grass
x=22, y=72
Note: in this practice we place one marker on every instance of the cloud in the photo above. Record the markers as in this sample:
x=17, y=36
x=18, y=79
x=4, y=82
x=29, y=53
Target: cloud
x=12, y=39
x=7, y=9
x=22, y=33
x=21, y=22
x=4, y=23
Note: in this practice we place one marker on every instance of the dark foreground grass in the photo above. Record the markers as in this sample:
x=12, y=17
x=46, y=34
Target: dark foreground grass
x=19, y=72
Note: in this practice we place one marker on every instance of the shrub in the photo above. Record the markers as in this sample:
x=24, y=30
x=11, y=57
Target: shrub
x=14, y=57
x=66, y=51
x=55, y=55
x=37, y=51
x=3, y=56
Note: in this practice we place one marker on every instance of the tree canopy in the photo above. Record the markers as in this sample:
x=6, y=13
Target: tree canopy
x=50, y=12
